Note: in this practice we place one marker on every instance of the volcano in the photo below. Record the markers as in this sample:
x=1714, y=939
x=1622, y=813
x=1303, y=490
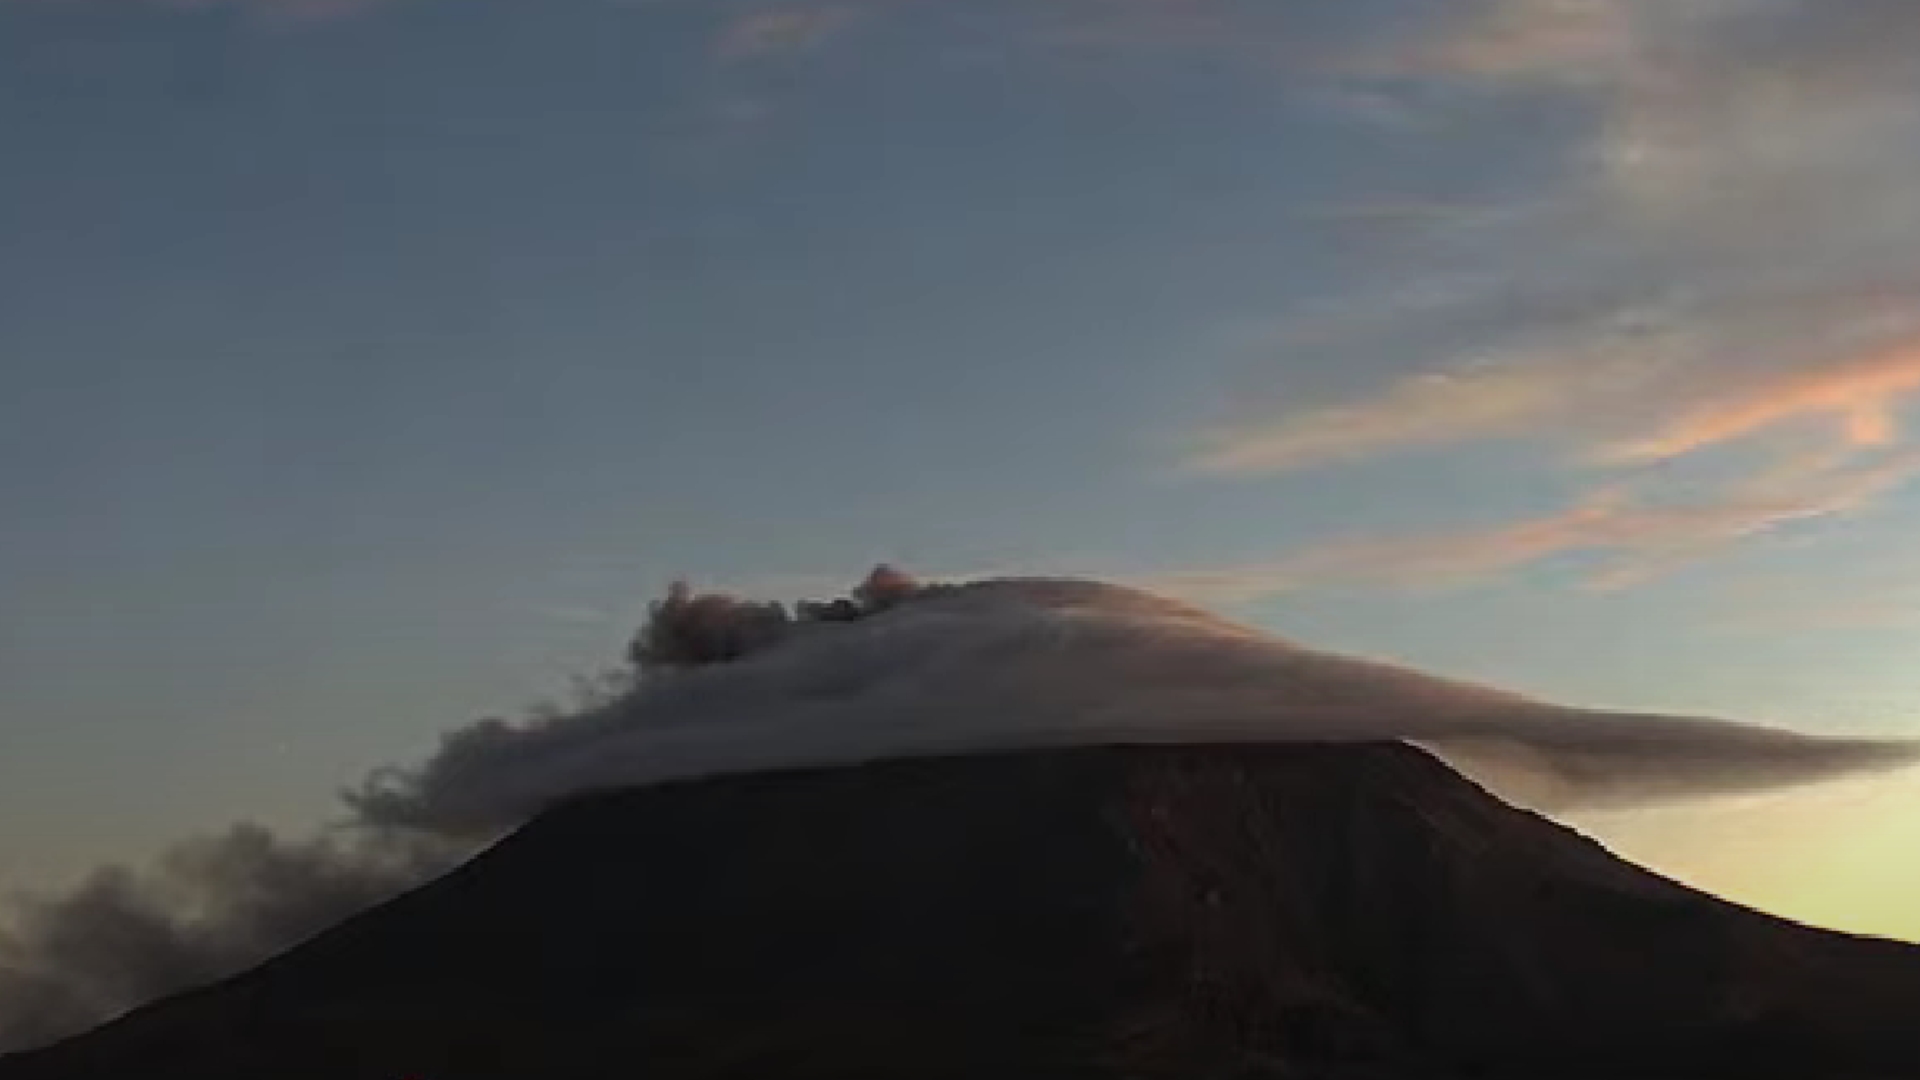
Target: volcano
x=1301, y=911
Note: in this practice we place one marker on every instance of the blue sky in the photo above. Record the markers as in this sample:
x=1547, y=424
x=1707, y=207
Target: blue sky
x=369, y=365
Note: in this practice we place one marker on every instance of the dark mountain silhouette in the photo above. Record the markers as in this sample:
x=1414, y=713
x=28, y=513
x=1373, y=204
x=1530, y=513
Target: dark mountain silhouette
x=1320, y=912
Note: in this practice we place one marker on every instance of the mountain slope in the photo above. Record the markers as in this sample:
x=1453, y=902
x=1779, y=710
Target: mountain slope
x=1298, y=911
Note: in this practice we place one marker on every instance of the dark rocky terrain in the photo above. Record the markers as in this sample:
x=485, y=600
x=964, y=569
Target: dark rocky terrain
x=1317, y=912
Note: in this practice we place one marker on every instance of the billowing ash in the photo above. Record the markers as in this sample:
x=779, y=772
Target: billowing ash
x=719, y=685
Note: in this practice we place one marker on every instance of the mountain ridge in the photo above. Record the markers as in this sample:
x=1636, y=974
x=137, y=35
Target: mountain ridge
x=1299, y=910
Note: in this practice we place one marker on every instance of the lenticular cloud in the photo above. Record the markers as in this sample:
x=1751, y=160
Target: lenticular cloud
x=1013, y=663
x=719, y=685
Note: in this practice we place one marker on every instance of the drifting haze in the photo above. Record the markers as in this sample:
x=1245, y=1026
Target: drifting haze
x=721, y=685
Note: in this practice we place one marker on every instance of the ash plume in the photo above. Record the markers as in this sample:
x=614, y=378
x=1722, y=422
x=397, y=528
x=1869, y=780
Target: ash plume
x=717, y=685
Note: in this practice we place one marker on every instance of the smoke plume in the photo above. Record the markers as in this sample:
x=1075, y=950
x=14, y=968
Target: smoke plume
x=718, y=685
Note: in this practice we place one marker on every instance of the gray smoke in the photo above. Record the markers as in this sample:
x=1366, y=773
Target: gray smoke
x=1029, y=663
x=212, y=906
x=204, y=909
x=719, y=685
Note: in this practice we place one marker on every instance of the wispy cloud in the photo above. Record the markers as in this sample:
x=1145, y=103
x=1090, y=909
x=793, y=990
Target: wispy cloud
x=1557, y=40
x=1633, y=397
x=783, y=30
x=1861, y=395
x=1478, y=399
x=1630, y=533
x=1723, y=263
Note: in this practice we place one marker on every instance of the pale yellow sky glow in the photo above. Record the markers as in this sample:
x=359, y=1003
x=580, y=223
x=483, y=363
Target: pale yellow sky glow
x=1838, y=854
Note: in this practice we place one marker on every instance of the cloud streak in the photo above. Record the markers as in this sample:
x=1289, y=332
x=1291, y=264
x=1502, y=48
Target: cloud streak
x=1630, y=535
x=1631, y=398
x=1474, y=401
x=1862, y=396
x=1720, y=268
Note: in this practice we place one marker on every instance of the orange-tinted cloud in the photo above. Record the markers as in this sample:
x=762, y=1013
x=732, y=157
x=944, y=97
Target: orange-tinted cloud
x=1742, y=193
x=1557, y=39
x=1429, y=409
x=1861, y=396
x=1633, y=536
x=1582, y=393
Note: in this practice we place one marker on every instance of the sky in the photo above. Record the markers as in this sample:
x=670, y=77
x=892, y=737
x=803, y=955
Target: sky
x=369, y=364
